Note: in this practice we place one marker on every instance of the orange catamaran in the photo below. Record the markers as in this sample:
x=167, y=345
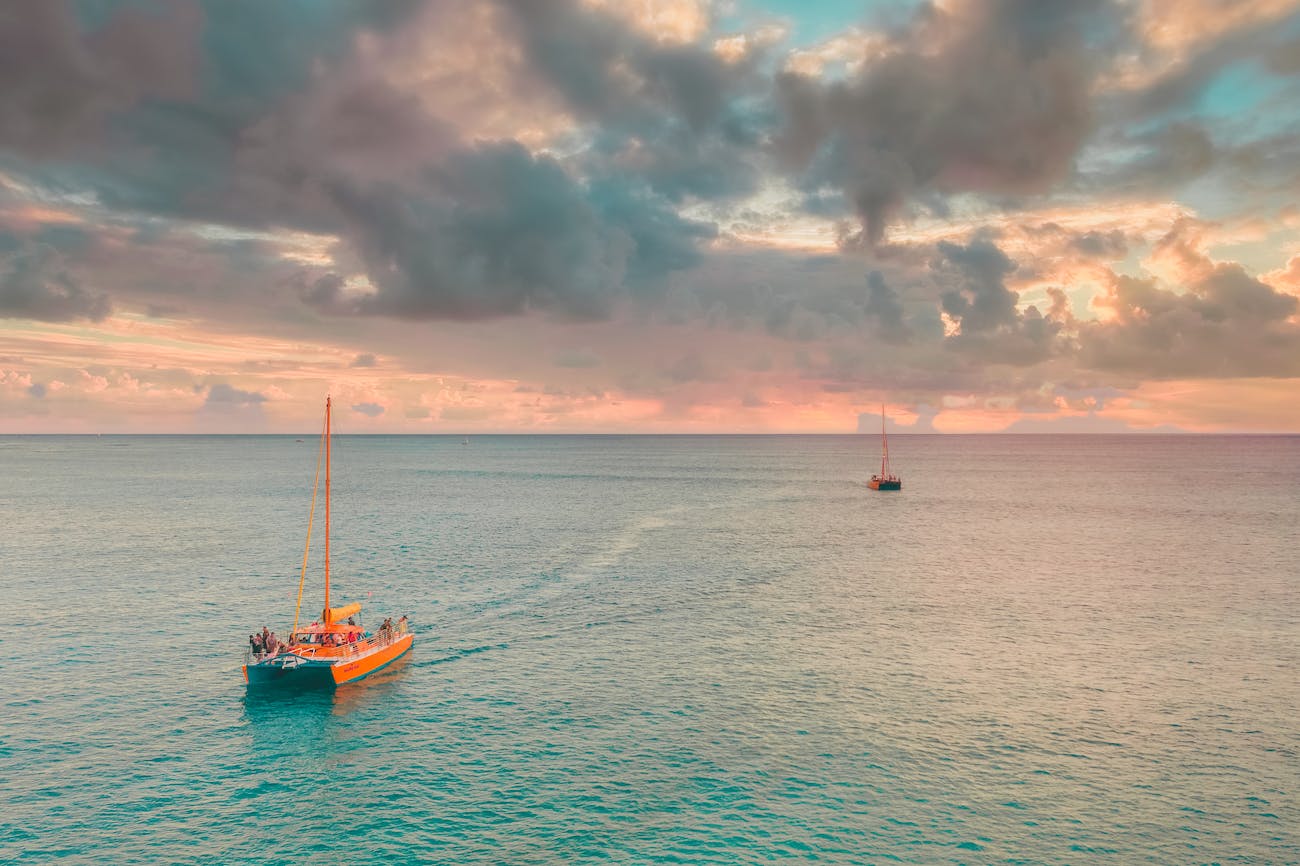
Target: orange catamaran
x=336, y=649
x=886, y=480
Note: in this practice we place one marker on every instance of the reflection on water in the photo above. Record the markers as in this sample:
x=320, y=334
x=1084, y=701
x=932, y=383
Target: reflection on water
x=277, y=703
x=379, y=686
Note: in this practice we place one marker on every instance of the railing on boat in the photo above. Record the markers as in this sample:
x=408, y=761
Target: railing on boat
x=350, y=650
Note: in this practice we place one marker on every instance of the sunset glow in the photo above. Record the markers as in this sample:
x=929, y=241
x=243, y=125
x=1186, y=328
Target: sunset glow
x=660, y=216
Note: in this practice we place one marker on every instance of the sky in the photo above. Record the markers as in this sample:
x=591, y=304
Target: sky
x=651, y=216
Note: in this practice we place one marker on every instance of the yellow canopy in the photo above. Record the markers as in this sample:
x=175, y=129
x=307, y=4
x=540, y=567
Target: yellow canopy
x=334, y=614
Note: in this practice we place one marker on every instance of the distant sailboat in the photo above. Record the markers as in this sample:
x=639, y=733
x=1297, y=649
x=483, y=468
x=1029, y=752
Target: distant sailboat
x=886, y=480
x=465, y=441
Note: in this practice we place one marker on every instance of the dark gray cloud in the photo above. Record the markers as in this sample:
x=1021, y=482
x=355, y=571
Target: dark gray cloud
x=991, y=325
x=996, y=99
x=1157, y=159
x=680, y=116
x=982, y=302
x=167, y=108
x=1283, y=58
x=35, y=283
x=372, y=410
x=363, y=360
x=61, y=76
x=805, y=298
x=496, y=231
x=37, y=390
x=883, y=303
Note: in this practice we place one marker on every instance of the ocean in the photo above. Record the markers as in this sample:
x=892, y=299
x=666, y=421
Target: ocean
x=659, y=649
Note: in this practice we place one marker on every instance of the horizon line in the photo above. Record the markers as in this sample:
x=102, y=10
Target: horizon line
x=316, y=434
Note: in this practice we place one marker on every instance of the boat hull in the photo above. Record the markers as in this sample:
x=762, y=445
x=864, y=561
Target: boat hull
x=349, y=671
x=877, y=484
x=282, y=671
x=290, y=671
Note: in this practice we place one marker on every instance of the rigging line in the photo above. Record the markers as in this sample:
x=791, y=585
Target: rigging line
x=311, y=517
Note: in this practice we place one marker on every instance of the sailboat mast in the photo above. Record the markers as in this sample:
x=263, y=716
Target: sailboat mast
x=327, y=510
x=884, y=462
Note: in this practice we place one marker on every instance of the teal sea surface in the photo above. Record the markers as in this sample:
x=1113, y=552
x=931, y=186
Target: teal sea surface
x=684, y=649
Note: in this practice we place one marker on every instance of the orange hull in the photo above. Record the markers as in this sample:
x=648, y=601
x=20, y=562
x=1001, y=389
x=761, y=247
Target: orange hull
x=346, y=672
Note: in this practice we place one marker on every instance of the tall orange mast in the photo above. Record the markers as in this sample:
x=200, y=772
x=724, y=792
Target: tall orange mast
x=327, y=511
x=884, y=472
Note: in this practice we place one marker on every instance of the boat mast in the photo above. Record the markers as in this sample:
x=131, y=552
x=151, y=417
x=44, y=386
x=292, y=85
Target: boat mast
x=884, y=471
x=327, y=511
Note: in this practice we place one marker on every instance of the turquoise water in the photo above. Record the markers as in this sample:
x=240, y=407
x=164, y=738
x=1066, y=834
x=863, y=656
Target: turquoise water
x=660, y=649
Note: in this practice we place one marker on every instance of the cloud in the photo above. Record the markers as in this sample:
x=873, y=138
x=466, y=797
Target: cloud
x=1089, y=423
x=339, y=175
x=990, y=324
x=227, y=409
x=224, y=395
x=1190, y=42
x=884, y=305
x=498, y=231
x=36, y=284
x=689, y=368
x=37, y=390
x=983, y=302
x=577, y=358
x=1226, y=323
x=373, y=410
x=1111, y=245
x=670, y=111
x=1156, y=159
x=62, y=77
x=467, y=413
x=987, y=97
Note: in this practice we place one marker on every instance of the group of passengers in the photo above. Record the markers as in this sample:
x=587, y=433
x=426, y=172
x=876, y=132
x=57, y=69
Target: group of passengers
x=387, y=630
x=330, y=638
x=265, y=644
x=314, y=637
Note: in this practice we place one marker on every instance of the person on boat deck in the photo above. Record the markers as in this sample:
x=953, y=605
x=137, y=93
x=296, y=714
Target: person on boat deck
x=352, y=620
x=255, y=642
